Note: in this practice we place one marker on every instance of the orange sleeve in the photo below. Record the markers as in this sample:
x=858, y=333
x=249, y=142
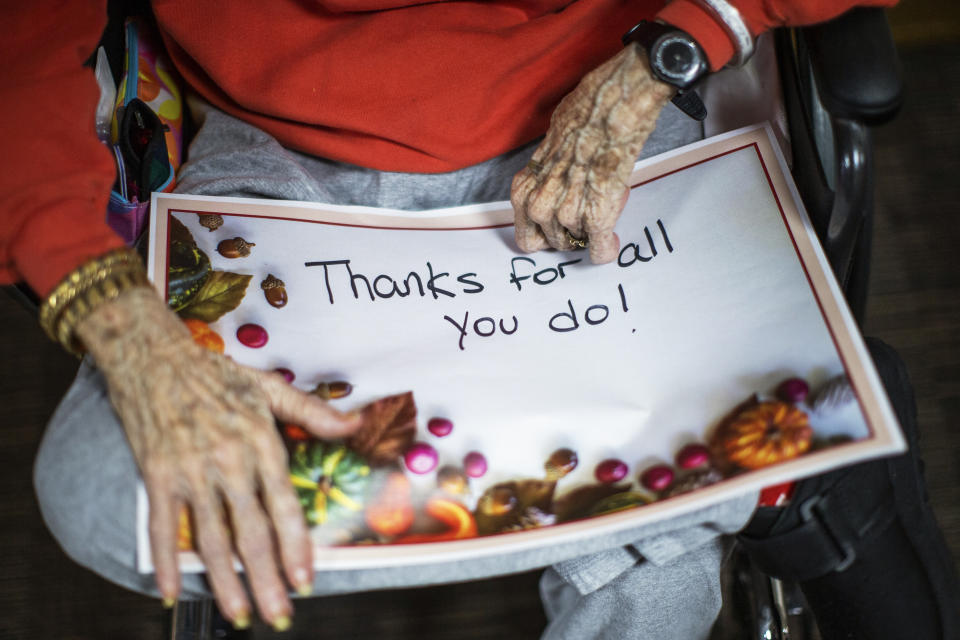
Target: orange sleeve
x=56, y=175
x=759, y=15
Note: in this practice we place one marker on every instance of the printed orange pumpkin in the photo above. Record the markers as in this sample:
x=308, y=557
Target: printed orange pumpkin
x=459, y=521
x=762, y=434
x=184, y=533
x=204, y=336
x=391, y=513
x=296, y=432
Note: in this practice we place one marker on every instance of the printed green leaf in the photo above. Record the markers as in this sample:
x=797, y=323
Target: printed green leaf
x=220, y=294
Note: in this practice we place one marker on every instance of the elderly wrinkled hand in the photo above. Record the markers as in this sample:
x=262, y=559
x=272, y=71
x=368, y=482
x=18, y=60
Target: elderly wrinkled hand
x=573, y=190
x=202, y=431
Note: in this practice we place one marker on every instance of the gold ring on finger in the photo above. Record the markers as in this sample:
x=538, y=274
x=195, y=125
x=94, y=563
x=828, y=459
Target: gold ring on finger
x=576, y=243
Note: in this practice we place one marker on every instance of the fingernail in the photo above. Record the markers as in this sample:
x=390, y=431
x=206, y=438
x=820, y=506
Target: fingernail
x=241, y=622
x=305, y=589
x=282, y=623
x=169, y=602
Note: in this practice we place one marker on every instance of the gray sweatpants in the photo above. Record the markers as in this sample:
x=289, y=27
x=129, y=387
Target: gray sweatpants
x=661, y=581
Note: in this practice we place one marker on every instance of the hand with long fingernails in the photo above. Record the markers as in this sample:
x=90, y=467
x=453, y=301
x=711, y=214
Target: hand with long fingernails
x=202, y=431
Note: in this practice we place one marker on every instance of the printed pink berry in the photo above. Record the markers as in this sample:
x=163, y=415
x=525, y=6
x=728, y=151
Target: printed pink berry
x=474, y=464
x=252, y=335
x=439, y=427
x=286, y=373
x=420, y=458
x=611, y=470
x=657, y=478
x=794, y=390
x=693, y=456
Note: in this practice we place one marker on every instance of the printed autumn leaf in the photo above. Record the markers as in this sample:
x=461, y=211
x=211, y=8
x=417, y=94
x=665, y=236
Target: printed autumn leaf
x=577, y=503
x=221, y=293
x=389, y=426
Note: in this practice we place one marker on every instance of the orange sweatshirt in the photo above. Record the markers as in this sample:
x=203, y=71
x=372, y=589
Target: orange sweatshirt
x=398, y=85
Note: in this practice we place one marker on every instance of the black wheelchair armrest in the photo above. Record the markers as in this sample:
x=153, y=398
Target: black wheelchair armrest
x=838, y=78
x=855, y=66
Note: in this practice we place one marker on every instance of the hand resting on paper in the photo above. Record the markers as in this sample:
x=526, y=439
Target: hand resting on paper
x=576, y=185
x=201, y=428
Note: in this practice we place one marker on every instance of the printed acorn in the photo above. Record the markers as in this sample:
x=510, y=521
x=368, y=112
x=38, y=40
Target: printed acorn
x=274, y=290
x=333, y=390
x=211, y=221
x=235, y=247
x=560, y=463
x=497, y=501
x=452, y=480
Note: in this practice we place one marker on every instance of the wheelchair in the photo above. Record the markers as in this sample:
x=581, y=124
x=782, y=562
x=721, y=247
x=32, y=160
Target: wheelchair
x=838, y=80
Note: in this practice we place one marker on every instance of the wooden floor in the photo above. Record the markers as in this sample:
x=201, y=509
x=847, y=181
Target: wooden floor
x=915, y=305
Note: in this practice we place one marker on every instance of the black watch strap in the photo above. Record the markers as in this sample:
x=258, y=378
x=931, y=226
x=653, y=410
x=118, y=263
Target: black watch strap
x=690, y=103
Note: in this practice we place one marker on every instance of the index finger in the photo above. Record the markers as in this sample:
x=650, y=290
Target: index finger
x=310, y=412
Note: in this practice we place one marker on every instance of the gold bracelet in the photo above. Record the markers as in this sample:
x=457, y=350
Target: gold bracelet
x=86, y=288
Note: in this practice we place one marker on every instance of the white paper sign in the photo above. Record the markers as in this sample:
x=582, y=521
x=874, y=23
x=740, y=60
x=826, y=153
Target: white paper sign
x=720, y=292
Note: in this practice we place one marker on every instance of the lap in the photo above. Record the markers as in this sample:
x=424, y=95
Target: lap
x=86, y=477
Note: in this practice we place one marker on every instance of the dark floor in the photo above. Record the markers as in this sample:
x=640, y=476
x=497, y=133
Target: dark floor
x=915, y=305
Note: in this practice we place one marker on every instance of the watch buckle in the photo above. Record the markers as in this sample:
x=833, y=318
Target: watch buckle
x=690, y=103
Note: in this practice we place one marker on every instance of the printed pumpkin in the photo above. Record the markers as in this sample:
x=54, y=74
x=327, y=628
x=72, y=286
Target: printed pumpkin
x=391, y=512
x=455, y=517
x=331, y=481
x=204, y=336
x=763, y=434
x=184, y=530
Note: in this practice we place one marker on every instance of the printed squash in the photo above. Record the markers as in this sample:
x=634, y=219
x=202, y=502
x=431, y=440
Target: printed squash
x=189, y=270
x=762, y=434
x=621, y=502
x=331, y=481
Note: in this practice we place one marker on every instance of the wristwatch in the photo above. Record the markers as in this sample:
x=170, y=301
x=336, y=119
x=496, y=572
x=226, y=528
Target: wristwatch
x=675, y=58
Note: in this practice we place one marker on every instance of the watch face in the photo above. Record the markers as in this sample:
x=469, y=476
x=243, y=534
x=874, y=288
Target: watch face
x=678, y=59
